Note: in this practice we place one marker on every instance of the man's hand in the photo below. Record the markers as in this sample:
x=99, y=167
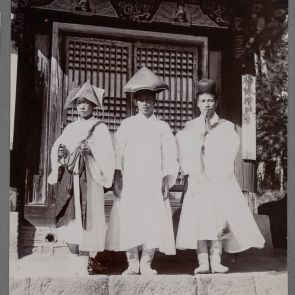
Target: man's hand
x=63, y=152
x=165, y=187
x=118, y=183
x=85, y=149
x=207, y=123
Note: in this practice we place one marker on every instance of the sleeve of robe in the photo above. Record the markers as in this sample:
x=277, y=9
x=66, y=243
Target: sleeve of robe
x=181, y=152
x=53, y=176
x=101, y=162
x=169, y=156
x=227, y=150
x=119, y=143
x=188, y=150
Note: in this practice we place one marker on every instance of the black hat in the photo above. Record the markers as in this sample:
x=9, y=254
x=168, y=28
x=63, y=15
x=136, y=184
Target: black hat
x=206, y=86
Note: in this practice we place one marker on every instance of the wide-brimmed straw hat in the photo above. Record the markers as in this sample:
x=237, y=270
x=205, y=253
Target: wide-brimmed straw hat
x=145, y=79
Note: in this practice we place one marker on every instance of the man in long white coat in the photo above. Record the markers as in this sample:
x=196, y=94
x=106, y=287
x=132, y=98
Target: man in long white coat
x=146, y=163
x=84, y=153
x=214, y=214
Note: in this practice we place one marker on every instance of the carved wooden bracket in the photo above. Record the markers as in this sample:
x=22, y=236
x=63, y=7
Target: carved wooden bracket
x=203, y=13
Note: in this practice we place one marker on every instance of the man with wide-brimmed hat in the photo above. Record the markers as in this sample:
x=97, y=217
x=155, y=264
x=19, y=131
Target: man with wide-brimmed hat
x=146, y=163
x=214, y=214
x=82, y=160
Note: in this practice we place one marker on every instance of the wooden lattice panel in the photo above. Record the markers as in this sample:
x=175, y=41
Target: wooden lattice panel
x=106, y=64
x=178, y=67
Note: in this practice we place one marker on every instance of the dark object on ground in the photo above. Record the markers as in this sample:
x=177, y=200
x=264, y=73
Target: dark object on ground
x=277, y=212
x=95, y=268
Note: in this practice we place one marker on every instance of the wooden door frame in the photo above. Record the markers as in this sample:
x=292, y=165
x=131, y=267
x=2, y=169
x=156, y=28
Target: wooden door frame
x=56, y=92
x=64, y=28
x=60, y=30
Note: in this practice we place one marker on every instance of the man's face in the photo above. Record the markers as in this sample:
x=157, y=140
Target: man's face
x=145, y=101
x=207, y=104
x=84, y=107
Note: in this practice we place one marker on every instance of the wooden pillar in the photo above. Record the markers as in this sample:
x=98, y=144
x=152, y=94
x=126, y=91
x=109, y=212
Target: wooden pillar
x=215, y=74
x=55, y=105
x=232, y=88
x=48, y=88
x=248, y=138
x=13, y=79
x=248, y=117
x=41, y=82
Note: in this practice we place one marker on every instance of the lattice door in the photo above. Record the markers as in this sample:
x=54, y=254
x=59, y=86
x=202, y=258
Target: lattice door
x=178, y=67
x=106, y=64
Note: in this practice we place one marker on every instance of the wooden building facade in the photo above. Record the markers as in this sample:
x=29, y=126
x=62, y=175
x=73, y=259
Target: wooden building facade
x=62, y=43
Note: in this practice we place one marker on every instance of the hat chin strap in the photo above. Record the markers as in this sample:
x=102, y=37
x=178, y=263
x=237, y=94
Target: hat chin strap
x=87, y=117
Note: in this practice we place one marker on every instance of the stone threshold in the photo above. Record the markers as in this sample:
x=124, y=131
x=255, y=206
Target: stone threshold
x=272, y=283
x=67, y=275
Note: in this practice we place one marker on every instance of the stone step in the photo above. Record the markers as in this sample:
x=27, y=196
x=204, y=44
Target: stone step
x=53, y=275
x=206, y=284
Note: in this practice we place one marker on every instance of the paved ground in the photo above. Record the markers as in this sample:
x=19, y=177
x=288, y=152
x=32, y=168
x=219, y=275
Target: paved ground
x=66, y=274
x=185, y=263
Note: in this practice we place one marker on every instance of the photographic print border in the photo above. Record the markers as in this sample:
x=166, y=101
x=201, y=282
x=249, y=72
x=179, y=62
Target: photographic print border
x=4, y=144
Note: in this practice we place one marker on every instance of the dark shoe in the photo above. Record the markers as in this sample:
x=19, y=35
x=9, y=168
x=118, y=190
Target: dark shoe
x=95, y=268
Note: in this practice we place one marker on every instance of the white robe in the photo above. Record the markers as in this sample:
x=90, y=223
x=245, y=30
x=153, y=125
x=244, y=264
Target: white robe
x=213, y=198
x=145, y=152
x=99, y=173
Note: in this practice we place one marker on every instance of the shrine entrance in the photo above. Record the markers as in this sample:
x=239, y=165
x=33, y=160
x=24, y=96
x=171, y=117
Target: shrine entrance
x=108, y=57
x=109, y=64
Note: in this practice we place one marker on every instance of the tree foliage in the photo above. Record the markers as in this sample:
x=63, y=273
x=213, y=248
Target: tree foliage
x=272, y=103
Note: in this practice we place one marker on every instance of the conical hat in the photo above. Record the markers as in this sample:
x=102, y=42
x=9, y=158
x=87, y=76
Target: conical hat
x=87, y=91
x=145, y=79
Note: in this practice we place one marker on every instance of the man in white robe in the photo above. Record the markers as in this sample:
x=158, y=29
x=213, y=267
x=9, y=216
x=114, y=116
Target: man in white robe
x=146, y=166
x=214, y=213
x=80, y=212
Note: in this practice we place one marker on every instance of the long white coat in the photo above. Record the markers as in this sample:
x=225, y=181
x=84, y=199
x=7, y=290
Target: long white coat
x=214, y=197
x=99, y=173
x=145, y=152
